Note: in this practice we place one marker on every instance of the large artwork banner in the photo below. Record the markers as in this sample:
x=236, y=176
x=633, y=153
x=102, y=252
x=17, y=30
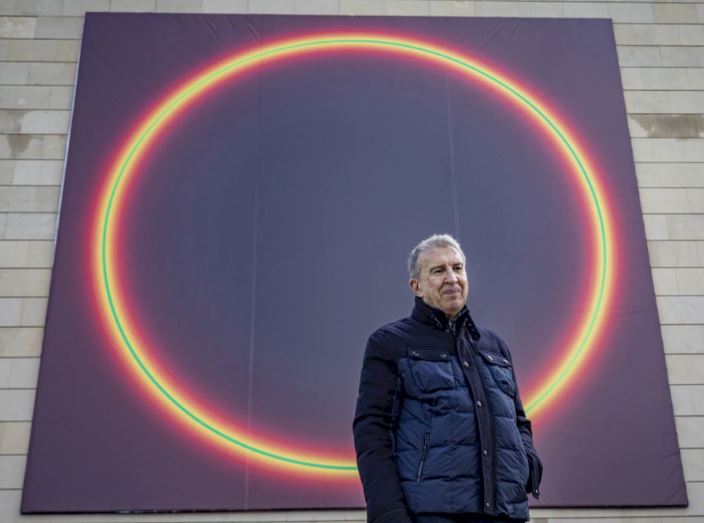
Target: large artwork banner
x=240, y=196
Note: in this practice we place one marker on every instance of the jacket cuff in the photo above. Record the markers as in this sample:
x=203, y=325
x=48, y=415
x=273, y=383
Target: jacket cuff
x=394, y=516
x=535, y=475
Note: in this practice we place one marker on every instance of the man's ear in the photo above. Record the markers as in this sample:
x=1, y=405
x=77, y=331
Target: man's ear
x=415, y=288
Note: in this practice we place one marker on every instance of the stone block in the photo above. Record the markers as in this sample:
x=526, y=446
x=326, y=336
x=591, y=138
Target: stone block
x=273, y=7
x=12, y=471
x=659, y=78
x=695, y=78
x=675, y=13
x=631, y=13
x=24, y=282
x=59, y=27
x=534, y=9
x=693, y=463
x=10, y=506
x=11, y=120
x=688, y=56
x=23, y=342
x=21, y=121
x=133, y=6
x=39, y=50
x=17, y=27
x=45, y=122
x=670, y=174
x=7, y=168
x=13, y=73
x=690, y=431
x=33, y=312
x=639, y=56
x=29, y=226
x=10, y=312
x=32, y=147
x=635, y=34
x=691, y=34
x=685, y=369
x=35, y=254
x=681, y=310
x=688, y=400
x=229, y=6
x=650, y=101
x=676, y=254
x=685, y=102
x=35, y=97
x=33, y=172
x=407, y=7
x=81, y=7
x=29, y=199
x=689, y=281
x=451, y=8
x=646, y=34
x=179, y=6
x=490, y=8
x=19, y=373
x=666, y=125
x=22, y=312
x=668, y=149
x=31, y=7
x=16, y=404
x=14, y=437
x=683, y=339
x=665, y=200
x=317, y=7
x=362, y=7
x=586, y=10
x=685, y=227
x=51, y=74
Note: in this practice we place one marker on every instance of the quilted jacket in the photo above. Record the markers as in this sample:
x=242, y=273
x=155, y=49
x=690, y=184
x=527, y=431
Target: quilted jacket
x=439, y=424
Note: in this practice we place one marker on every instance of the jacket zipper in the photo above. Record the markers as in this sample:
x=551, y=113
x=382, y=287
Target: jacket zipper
x=422, y=456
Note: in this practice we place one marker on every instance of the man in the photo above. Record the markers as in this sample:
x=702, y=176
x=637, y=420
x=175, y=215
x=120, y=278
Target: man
x=440, y=432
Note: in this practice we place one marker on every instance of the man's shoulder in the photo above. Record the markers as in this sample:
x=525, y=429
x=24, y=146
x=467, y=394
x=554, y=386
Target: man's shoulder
x=395, y=331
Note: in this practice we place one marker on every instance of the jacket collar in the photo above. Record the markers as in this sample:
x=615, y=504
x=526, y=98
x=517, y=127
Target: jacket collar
x=429, y=315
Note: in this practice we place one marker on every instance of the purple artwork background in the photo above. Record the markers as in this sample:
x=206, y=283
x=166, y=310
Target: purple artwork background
x=270, y=236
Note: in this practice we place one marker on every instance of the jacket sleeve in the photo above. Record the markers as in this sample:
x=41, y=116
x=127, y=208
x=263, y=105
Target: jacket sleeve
x=524, y=427
x=372, y=430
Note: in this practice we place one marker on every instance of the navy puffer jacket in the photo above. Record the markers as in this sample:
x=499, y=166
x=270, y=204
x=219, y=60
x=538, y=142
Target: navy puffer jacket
x=439, y=425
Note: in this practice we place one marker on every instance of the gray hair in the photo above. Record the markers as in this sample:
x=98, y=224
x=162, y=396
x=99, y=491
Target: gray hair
x=433, y=242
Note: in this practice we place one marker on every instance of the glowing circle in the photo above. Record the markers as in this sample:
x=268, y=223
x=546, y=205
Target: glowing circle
x=114, y=309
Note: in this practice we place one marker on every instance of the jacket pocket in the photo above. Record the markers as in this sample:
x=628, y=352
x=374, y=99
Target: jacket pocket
x=423, y=454
x=501, y=371
x=431, y=369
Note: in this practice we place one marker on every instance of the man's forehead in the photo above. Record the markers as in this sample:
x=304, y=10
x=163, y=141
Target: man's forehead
x=441, y=255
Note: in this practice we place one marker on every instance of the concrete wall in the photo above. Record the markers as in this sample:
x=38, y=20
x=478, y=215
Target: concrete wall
x=661, y=53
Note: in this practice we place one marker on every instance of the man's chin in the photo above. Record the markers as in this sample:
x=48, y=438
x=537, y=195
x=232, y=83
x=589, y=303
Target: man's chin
x=453, y=309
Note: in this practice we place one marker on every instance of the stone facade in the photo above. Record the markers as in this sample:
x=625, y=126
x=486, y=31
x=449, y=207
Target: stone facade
x=661, y=54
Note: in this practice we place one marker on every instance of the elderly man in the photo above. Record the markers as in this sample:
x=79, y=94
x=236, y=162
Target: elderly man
x=440, y=432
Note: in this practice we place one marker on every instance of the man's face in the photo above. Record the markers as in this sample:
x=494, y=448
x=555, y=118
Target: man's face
x=442, y=282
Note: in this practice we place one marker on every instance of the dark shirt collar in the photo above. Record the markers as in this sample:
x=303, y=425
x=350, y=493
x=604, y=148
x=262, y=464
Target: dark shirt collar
x=427, y=314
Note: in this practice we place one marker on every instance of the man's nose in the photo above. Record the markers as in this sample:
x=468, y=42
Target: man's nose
x=451, y=277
